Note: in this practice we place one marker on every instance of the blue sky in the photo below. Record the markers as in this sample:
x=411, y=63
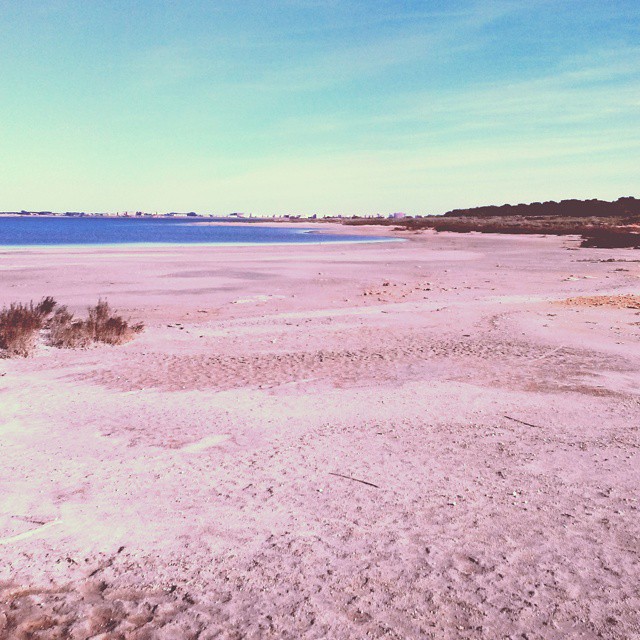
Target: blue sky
x=310, y=106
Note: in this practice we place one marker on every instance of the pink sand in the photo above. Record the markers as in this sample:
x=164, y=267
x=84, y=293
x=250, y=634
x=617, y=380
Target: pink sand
x=182, y=485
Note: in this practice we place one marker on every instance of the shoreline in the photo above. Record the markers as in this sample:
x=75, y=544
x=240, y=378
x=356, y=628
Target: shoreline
x=358, y=236
x=165, y=245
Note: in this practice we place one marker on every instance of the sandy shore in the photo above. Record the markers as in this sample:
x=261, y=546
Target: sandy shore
x=203, y=481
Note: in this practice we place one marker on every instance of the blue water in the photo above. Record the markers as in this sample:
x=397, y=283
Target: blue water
x=48, y=231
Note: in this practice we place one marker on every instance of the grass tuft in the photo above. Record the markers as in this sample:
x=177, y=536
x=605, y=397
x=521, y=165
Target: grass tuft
x=21, y=324
x=105, y=326
x=67, y=332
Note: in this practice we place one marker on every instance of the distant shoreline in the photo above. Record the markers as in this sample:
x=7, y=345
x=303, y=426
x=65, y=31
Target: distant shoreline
x=627, y=206
x=600, y=224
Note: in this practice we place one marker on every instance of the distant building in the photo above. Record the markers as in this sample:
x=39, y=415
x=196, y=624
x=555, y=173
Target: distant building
x=397, y=215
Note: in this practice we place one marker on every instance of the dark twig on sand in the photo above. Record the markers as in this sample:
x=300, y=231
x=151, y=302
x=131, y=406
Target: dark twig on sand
x=370, y=484
x=528, y=424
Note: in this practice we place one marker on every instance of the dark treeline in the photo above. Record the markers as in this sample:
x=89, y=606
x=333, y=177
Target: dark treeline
x=601, y=224
x=623, y=207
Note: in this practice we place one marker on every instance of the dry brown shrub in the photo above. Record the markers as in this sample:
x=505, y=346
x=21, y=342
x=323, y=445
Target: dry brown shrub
x=46, y=306
x=105, y=326
x=20, y=324
x=102, y=325
x=66, y=332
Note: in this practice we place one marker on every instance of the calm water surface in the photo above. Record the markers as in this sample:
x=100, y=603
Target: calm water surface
x=44, y=231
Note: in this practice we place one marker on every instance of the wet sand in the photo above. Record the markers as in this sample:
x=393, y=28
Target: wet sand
x=405, y=440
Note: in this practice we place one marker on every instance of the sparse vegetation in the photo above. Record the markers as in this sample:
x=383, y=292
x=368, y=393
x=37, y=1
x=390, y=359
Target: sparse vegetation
x=611, y=239
x=67, y=332
x=104, y=326
x=601, y=224
x=21, y=325
x=587, y=227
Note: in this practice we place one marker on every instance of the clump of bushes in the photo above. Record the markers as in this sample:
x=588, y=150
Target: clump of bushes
x=104, y=326
x=21, y=325
x=67, y=332
x=611, y=239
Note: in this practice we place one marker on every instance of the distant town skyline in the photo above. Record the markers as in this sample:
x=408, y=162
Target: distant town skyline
x=309, y=107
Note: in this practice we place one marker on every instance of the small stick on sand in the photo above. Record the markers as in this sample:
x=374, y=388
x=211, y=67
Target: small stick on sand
x=528, y=424
x=28, y=534
x=370, y=484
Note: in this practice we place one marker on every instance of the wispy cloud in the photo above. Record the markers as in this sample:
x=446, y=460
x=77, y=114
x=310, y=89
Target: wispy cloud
x=424, y=37
x=357, y=44
x=605, y=87
x=594, y=98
